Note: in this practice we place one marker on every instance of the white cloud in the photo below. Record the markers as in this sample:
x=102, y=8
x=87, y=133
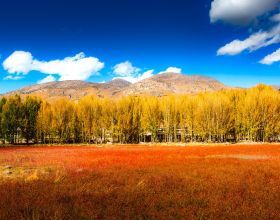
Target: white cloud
x=128, y=72
x=18, y=62
x=125, y=69
x=172, y=69
x=240, y=12
x=243, y=12
x=271, y=58
x=137, y=78
x=47, y=79
x=78, y=67
x=252, y=43
x=11, y=77
x=275, y=18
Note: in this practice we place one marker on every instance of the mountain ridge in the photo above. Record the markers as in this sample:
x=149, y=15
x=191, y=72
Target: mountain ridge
x=174, y=83
x=157, y=85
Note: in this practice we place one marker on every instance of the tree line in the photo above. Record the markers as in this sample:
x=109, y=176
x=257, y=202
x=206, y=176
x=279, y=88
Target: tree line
x=230, y=115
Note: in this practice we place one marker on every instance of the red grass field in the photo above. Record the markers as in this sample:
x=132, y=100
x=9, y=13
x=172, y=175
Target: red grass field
x=140, y=182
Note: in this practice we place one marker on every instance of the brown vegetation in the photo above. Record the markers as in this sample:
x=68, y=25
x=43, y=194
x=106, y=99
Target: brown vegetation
x=132, y=182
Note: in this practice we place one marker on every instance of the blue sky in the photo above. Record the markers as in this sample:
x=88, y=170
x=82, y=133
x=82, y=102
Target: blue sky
x=135, y=39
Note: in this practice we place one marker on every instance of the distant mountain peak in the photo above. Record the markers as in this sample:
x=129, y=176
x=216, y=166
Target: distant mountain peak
x=118, y=81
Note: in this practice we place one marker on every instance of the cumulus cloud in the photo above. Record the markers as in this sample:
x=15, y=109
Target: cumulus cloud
x=243, y=12
x=240, y=12
x=130, y=73
x=47, y=79
x=172, y=69
x=78, y=67
x=252, y=43
x=138, y=77
x=271, y=58
x=125, y=69
x=19, y=62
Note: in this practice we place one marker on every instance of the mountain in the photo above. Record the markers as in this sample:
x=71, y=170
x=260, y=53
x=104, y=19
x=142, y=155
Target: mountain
x=157, y=85
x=73, y=89
x=173, y=83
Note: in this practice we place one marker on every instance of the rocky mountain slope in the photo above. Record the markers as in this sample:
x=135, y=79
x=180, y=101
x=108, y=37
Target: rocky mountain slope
x=173, y=83
x=158, y=85
x=73, y=89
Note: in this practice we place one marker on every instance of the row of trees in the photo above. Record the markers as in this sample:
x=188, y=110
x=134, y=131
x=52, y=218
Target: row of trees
x=230, y=115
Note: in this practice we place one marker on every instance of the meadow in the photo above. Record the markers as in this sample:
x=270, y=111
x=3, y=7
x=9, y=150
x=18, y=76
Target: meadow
x=140, y=182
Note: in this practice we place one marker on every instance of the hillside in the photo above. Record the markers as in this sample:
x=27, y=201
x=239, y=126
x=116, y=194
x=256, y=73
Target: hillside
x=158, y=85
x=173, y=83
x=73, y=89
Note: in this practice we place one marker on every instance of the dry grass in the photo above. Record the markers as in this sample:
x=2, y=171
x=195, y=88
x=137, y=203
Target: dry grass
x=224, y=182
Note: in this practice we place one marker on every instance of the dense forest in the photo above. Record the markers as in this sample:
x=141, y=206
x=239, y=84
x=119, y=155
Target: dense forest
x=226, y=116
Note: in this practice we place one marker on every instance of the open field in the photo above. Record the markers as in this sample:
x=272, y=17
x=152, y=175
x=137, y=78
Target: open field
x=140, y=182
